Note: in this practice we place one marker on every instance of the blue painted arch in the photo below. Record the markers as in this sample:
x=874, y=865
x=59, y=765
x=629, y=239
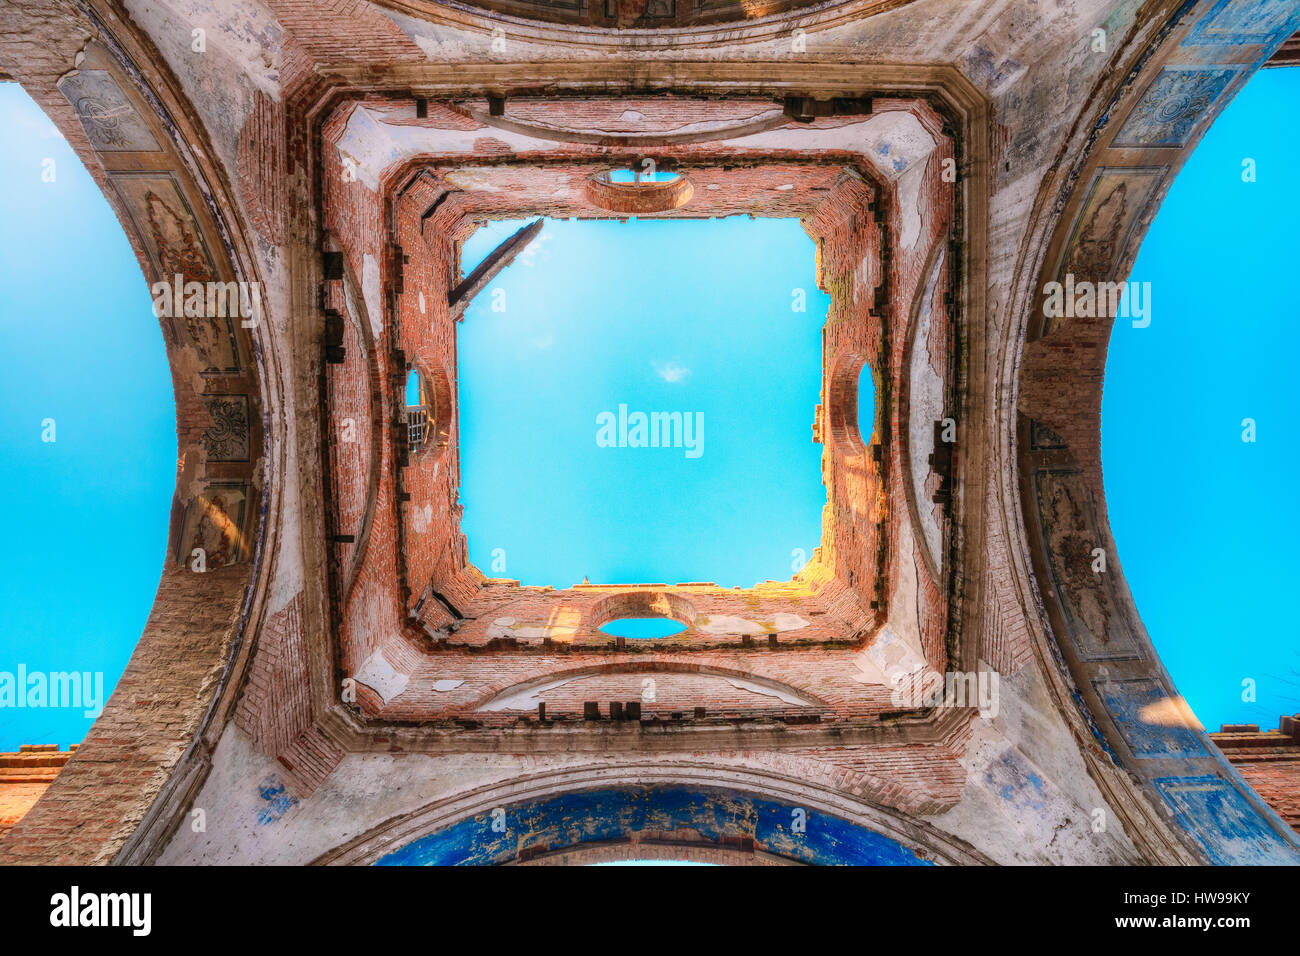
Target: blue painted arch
x=699, y=816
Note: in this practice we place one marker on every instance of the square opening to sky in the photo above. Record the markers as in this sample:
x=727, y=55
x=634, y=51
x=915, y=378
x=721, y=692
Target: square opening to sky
x=636, y=402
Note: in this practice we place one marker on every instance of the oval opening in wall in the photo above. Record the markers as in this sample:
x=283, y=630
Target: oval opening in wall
x=643, y=627
x=639, y=192
x=636, y=176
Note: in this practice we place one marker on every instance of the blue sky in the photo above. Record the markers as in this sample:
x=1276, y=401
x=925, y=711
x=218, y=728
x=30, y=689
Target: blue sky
x=1205, y=523
x=85, y=515
x=658, y=316
x=690, y=317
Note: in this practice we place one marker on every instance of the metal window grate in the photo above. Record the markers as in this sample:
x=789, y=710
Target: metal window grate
x=417, y=425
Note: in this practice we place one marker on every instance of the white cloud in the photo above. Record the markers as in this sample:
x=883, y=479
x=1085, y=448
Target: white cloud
x=671, y=372
x=36, y=123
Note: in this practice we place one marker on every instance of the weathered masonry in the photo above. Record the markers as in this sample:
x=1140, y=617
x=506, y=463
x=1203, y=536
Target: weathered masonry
x=340, y=684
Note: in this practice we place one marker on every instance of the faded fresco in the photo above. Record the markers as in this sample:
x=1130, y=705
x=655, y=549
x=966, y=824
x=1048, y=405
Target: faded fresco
x=174, y=244
x=109, y=119
x=1173, y=107
x=1222, y=820
x=1245, y=22
x=1112, y=208
x=1135, y=706
x=1070, y=530
x=227, y=438
x=214, y=523
x=1042, y=438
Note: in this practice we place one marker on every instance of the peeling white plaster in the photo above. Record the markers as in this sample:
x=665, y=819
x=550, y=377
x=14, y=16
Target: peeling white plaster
x=925, y=407
x=421, y=517
x=525, y=699
x=909, y=206
x=894, y=142
x=765, y=689
x=1029, y=798
x=785, y=621
x=729, y=624
x=377, y=145
x=379, y=675
x=243, y=37
x=565, y=626
x=887, y=659
x=474, y=179
x=371, y=293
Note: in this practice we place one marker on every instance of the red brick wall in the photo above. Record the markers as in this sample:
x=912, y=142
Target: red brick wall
x=419, y=542
x=24, y=777
x=1269, y=761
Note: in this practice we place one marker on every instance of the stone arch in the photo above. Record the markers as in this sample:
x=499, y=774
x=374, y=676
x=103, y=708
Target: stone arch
x=181, y=684
x=1175, y=793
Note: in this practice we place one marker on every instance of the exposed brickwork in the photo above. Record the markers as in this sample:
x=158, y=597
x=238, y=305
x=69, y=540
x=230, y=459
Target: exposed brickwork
x=275, y=706
x=641, y=14
x=410, y=524
x=24, y=776
x=635, y=116
x=338, y=31
x=262, y=167
x=165, y=685
x=1270, y=762
x=1004, y=633
x=309, y=761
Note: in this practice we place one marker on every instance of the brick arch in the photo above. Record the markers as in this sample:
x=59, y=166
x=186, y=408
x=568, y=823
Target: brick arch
x=905, y=839
x=639, y=198
x=179, y=213
x=842, y=407
x=435, y=385
x=1091, y=215
x=645, y=604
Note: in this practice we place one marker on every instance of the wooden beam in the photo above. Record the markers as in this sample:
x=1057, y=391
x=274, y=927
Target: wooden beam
x=504, y=254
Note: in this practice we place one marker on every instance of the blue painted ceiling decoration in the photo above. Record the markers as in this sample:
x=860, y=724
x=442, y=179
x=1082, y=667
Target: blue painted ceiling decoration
x=714, y=818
